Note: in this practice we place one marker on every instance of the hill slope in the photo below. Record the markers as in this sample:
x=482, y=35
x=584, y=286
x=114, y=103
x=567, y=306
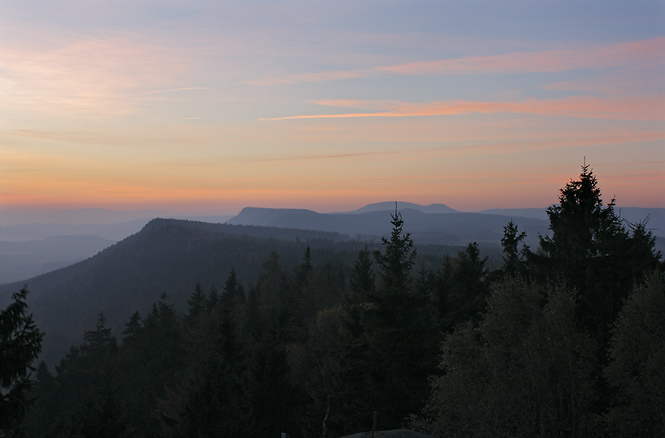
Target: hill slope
x=165, y=256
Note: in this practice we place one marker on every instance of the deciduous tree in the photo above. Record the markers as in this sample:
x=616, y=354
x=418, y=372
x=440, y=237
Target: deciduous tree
x=637, y=364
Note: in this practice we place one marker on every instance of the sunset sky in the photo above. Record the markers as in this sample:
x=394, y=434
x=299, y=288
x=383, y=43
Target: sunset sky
x=210, y=106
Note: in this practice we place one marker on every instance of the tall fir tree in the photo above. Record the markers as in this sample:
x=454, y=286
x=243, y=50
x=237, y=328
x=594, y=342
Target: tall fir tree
x=396, y=333
x=20, y=344
x=513, y=256
x=590, y=248
x=397, y=258
x=461, y=288
x=196, y=306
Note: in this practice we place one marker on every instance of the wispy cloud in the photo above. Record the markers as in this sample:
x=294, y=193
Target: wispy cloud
x=174, y=90
x=639, y=80
x=619, y=108
x=651, y=51
x=87, y=76
x=463, y=150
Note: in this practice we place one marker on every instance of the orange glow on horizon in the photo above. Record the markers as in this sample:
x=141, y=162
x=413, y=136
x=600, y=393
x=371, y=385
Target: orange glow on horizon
x=215, y=108
x=457, y=191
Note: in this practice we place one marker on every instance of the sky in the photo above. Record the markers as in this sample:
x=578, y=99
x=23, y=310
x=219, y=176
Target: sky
x=206, y=106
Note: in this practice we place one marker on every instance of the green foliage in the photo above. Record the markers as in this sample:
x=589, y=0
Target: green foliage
x=636, y=369
x=523, y=372
x=20, y=344
x=533, y=364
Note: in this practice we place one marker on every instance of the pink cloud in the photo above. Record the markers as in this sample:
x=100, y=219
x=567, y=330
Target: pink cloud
x=325, y=76
x=650, y=51
x=86, y=76
x=619, y=108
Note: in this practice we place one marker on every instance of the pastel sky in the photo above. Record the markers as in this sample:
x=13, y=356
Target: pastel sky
x=208, y=106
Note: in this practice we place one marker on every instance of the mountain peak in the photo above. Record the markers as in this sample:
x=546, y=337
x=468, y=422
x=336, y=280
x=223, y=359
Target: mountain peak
x=401, y=205
x=267, y=216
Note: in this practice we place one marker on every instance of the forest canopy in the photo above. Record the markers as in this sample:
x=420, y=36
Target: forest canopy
x=567, y=339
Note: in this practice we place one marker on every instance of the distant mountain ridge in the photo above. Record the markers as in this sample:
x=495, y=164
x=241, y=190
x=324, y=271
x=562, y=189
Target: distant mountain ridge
x=400, y=205
x=26, y=259
x=435, y=224
x=35, y=258
x=363, y=223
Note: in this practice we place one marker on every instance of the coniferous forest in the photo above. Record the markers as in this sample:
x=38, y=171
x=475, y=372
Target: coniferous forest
x=564, y=340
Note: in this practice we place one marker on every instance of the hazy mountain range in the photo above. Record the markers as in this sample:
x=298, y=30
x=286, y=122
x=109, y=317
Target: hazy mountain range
x=168, y=255
x=434, y=224
x=35, y=243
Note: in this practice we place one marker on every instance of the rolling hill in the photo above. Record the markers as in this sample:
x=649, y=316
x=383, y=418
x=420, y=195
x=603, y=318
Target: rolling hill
x=166, y=256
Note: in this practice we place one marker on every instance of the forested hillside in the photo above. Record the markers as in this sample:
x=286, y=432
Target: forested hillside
x=170, y=256
x=566, y=339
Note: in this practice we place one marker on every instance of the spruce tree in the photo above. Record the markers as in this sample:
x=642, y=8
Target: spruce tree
x=362, y=277
x=197, y=305
x=591, y=249
x=349, y=401
x=398, y=327
x=132, y=329
x=396, y=260
x=461, y=288
x=512, y=255
x=20, y=344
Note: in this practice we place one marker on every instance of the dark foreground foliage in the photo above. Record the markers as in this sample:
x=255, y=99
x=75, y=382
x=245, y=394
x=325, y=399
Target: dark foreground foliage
x=20, y=344
x=568, y=340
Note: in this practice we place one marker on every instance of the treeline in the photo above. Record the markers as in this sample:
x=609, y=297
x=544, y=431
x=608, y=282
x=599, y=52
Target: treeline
x=566, y=340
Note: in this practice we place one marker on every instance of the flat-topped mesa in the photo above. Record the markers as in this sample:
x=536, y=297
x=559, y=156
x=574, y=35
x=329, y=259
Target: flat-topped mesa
x=266, y=216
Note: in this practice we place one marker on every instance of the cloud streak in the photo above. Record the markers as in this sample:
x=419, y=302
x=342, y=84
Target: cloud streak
x=650, y=51
x=174, y=90
x=87, y=76
x=492, y=148
x=619, y=108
